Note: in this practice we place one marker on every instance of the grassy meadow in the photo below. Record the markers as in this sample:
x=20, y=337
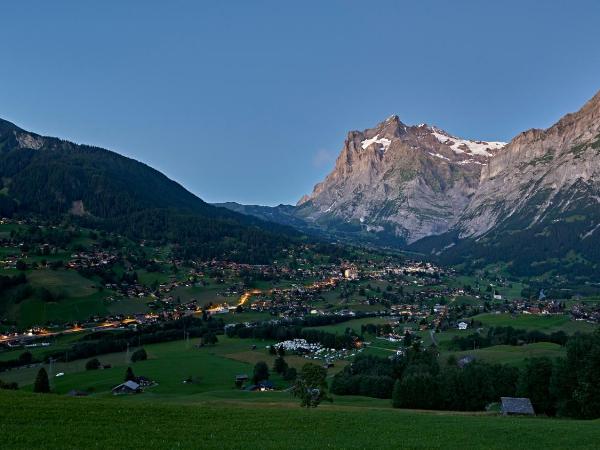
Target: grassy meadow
x=212, y=368
x=546, y=324
x=50, y=421
x=511, y=354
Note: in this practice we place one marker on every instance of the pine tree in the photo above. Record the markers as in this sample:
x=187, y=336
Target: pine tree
x=261, y=372
x=129, y=376
x=397, y=395
x=139, y=355
x=280, y=365
x=42, y=384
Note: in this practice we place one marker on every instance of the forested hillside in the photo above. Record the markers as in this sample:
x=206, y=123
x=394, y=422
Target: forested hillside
x=52, y=178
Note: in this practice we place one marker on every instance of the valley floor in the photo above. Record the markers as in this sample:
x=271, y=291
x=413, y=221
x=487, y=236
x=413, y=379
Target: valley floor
x=51, y=421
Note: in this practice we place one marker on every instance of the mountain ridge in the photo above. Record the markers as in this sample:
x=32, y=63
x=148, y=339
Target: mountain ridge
x=54, y=178
x=532, y=204
x=406, y=182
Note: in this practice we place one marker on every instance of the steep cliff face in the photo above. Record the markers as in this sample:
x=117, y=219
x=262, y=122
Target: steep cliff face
x=537, y=207
x=532, y=204
x=403, y=182
x=539, y=172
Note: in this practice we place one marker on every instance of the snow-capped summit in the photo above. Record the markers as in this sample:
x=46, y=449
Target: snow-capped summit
x=407, y=181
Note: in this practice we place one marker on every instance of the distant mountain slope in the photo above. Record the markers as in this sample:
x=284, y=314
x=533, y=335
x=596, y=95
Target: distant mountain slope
x=533, y=204
x=537, y=206
x=282, y=214
x=50, y=177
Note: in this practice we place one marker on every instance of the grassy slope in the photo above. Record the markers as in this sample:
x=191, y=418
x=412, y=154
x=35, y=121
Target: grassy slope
x=513, y=355
x=48, y=421
x=545, y=324
x=203, y=295
x=355, y=324
x=81, y=298
x=169, y=364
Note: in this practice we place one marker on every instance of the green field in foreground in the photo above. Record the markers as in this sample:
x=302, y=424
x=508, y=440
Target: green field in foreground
x=48, y=421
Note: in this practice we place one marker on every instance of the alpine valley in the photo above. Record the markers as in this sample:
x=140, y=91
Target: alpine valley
x=436, y=288
x=475, y=294
x=532, y=204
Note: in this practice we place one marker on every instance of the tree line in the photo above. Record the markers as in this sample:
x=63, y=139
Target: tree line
x=284, y=332
x=567, y=387
x=505, y=336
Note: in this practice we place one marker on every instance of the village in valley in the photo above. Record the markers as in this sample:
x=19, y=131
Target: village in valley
x=132, y=305
x=133, y=291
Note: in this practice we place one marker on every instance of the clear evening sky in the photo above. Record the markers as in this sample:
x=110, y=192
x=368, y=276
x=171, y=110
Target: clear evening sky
x=250, y=101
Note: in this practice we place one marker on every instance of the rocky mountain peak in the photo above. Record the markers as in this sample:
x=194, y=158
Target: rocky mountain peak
x=407, y=181
x=580, y=125
x=414, y=181
x=392, y=126
x=532, y=174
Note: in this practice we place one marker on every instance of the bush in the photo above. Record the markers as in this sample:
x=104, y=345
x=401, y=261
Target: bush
x=210, y=338
x=261, y=372
x=92, y=364
x=139, y=355
x=10, y=386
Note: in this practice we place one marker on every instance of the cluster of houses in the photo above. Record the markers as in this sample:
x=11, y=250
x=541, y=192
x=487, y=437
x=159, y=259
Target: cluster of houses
x=587, y=312
x=524, y=306
x=9, y=261
x=91, y=259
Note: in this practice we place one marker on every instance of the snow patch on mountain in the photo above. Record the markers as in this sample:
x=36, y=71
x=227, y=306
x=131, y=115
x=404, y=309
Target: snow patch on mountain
x=437, y=155
x=458, y=145
x=384, y=142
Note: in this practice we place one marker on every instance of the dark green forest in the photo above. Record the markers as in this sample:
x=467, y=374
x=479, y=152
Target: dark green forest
x=51, y=178
x=564, y=387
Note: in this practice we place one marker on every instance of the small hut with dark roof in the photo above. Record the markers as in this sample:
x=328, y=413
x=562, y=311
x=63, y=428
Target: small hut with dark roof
x=517, y=406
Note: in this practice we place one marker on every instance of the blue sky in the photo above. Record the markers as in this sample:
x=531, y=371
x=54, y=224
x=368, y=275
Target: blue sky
x=250, y=101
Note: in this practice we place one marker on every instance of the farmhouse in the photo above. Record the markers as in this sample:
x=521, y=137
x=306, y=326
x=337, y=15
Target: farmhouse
x=129, y=387
x=265, y=385
x=516, y=406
